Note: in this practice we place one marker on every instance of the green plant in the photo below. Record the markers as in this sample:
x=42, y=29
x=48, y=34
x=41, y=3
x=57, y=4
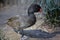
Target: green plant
x=53, y=13
x=53, y=17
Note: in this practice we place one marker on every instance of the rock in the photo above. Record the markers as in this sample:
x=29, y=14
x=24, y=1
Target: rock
x=10, y=34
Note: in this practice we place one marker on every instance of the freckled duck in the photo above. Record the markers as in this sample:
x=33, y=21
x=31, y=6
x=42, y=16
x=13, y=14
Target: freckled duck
x=25, y=21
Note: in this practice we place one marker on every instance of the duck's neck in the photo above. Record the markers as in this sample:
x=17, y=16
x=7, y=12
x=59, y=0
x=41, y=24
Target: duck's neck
x=32, y=18
x=31, y=14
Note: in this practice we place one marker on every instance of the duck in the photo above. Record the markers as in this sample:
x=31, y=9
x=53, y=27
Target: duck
x=25, y=21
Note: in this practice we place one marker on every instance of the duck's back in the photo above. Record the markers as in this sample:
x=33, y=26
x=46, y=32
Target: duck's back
x=26, y=21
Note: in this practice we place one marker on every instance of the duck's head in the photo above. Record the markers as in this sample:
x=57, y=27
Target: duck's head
x=34, y=8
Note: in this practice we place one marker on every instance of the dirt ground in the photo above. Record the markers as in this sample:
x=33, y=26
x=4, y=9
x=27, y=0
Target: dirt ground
x=11, y=35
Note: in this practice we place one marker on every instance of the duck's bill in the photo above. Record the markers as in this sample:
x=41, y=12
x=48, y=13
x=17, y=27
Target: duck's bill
x=40, y=10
